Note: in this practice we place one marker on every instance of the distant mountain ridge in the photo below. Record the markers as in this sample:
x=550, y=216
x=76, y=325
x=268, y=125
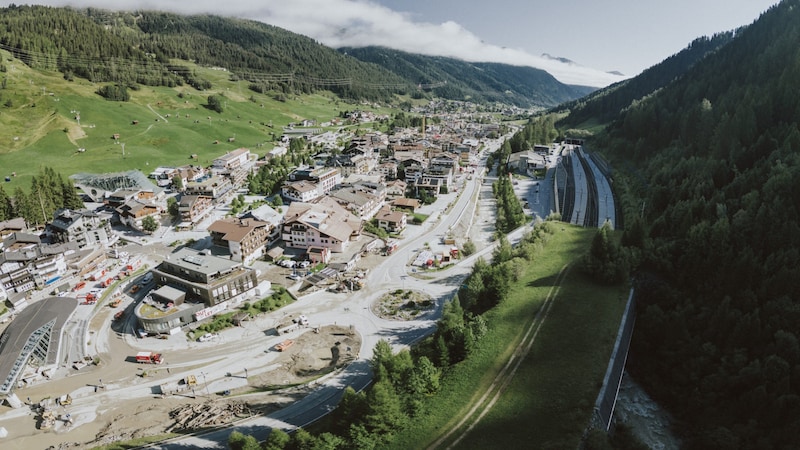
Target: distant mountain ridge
x=453, y=78
x=605, y=104
x=140, y=47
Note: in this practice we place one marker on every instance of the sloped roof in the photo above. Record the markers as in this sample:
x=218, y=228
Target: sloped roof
x=235, y=230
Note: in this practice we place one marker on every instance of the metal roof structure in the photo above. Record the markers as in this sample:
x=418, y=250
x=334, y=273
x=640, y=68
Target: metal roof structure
x=98, y=186
x=33, y=338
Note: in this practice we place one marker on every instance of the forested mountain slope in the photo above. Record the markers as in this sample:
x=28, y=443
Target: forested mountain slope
x=717, y=154
x=133, y=48
x=138, y=47
x=605, y=104
x=457, y=79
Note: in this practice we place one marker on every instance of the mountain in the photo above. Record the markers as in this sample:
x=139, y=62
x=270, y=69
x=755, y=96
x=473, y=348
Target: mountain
x=709, y=168
x=456, y=79
x=603, y=105
x=140, y=48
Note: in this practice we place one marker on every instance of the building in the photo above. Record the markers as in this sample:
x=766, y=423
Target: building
x=390, y=220
x=193, y=209
x=9, y=227
x=396, y=188
x=410, y=204
x=273, y=218
x=234, y=165
x=84, y=227
x=246, y=239
x=231, y=160
x=132, y=212
x=325, y=178
x=301, y=191
x=192, y=285
x=27, y=264
x=324, y=224
x=215, y=187
x=363, y=199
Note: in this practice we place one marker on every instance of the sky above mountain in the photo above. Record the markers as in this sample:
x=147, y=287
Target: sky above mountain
x=627, y=36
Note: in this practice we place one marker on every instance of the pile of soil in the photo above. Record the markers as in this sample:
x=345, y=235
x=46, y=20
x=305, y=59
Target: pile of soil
x=311, y=356
x=403, y=304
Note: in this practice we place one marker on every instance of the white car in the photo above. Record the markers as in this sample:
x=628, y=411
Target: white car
x=287, y=263
x=207, y=337
x=304, y=264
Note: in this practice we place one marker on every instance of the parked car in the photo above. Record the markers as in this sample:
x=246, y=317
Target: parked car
x=207, y=337
x=287, y=263
x=304, y=264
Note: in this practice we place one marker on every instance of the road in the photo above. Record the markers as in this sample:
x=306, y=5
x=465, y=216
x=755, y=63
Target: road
x=392, y=274
x=106, y=389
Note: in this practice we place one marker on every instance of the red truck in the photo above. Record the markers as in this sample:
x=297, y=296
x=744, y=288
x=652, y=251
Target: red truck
x=149, y=358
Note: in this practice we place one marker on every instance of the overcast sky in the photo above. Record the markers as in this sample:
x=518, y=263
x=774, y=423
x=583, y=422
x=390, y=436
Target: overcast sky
x=621, y=35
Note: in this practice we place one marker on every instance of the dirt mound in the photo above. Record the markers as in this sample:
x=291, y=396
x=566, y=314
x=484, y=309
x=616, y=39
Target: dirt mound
x=403, y=304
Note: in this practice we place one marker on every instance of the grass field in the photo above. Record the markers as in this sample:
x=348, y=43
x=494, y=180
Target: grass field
x=50, y=119
x=549, y=402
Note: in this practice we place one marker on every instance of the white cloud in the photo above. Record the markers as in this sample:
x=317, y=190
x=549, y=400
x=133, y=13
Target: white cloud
x=358, y=23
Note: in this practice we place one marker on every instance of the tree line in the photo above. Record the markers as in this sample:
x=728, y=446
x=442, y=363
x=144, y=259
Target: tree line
x=406, y=383
x=50, y=191
x=712, y=163
x=137, y=48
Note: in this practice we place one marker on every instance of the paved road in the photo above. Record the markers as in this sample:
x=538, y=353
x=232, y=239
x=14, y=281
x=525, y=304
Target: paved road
x=393, y=273
x=581, y=190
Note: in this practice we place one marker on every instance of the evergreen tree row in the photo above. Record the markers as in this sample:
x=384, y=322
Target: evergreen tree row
x=49, y=192
x=715, y=158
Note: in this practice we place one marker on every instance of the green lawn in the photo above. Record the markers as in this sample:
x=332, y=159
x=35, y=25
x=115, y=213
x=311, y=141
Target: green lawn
x=42, y=127
x=550, y=400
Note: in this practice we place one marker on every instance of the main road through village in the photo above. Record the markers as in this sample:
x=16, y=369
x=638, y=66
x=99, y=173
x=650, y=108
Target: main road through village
x=393, y=273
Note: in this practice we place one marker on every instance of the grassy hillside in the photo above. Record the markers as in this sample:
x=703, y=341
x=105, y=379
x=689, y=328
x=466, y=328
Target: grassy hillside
x=549, y=401
x=40, y=127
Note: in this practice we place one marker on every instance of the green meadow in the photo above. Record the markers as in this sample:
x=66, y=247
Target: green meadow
x=48, y=121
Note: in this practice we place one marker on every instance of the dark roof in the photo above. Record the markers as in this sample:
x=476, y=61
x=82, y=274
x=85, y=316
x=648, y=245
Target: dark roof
x=32, y=318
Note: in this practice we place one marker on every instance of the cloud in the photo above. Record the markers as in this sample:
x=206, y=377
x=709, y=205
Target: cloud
x=359, y=23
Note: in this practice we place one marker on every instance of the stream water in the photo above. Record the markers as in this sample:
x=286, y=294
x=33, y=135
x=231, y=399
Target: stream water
x=648, y=422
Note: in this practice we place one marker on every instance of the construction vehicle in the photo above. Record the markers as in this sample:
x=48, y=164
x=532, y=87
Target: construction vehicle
x=97, y=276
x=149, y=358
x=284, y=345
x=90, y=299
x=115, y=302
x=191, y=380
x=47, y=419
x=64, y=400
